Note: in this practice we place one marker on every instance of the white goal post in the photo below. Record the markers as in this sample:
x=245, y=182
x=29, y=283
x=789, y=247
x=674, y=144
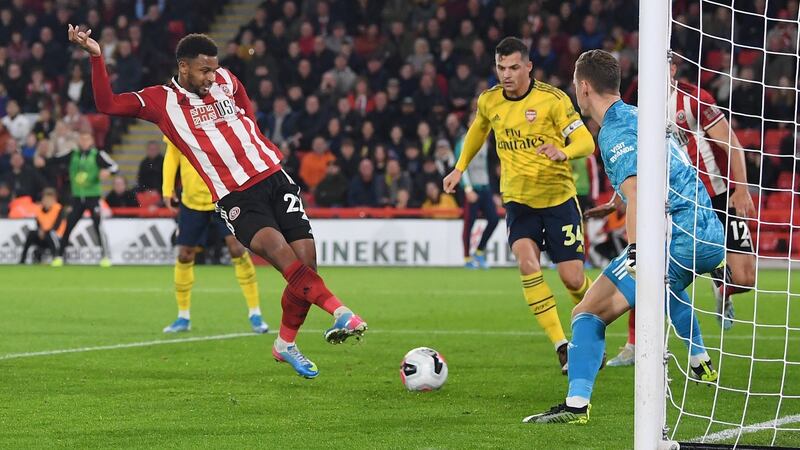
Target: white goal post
x=650, y=401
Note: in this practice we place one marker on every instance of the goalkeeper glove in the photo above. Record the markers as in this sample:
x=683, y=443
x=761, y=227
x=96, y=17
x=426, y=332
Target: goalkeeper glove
x=630, y=261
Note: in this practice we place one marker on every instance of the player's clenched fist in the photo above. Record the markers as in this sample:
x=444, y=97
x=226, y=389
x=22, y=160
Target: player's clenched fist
x=451, y=181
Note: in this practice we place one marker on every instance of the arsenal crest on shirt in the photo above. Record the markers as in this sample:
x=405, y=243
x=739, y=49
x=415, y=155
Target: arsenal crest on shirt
x=530, y=115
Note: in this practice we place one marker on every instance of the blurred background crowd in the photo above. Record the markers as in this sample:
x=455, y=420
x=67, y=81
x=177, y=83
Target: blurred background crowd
x=368, y=99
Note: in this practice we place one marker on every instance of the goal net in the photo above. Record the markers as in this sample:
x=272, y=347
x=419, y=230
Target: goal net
x=743, y=55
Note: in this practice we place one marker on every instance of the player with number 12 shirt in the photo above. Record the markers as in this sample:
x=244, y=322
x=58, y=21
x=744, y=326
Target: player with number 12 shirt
x=206, y=113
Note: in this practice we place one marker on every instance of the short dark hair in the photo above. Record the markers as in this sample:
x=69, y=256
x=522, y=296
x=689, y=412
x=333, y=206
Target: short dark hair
x=195, y=44
x=600, y=69
x=510, y=45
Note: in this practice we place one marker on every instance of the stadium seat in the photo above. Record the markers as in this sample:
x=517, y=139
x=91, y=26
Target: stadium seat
x=749, y=138
x=148, y=199
x=748, y=57
x=713, y=60
x=785, y=180
x=779, y=200
x=767, y=241
x=772, y=141
x=101, y=123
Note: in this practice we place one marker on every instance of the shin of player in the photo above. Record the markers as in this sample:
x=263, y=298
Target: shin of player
x=696, y=241
x=537, y=131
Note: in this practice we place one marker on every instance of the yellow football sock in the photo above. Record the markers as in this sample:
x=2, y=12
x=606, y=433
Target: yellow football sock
x=184, y=280
x=543, y=304
x=577, y=296
x=246, y=276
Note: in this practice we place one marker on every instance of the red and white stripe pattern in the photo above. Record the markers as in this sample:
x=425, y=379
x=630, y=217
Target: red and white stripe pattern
x=223, y=144
x=692, y=111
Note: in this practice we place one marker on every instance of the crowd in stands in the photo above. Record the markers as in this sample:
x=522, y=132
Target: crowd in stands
x=368, y=98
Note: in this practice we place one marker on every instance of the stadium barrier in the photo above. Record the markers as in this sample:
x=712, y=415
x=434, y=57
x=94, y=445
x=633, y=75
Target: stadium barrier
x=340, y=242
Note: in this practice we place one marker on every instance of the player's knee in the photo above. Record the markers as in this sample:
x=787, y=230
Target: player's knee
x=745, y=276
x=573, y=281
x=236, y=250
x=528, y=266
x=185, y=254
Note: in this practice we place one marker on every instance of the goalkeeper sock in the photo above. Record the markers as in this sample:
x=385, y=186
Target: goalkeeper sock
x=541, y=301
x=685, y=322
x=308, y=285
x=295, y=310
x=632, y=327
x=577, y=295
x=246, y=276
x=585, y=356
x=184, y=280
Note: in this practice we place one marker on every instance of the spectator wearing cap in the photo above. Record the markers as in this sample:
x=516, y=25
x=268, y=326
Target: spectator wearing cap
x=408, y=118
x=365, y=189
x=313, y=166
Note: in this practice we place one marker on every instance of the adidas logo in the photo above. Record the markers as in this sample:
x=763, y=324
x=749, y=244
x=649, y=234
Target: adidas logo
x=11, y=249
x=150, y=238
x=496, y=118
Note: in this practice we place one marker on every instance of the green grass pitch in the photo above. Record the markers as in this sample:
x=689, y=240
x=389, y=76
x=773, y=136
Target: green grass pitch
x=229, y=393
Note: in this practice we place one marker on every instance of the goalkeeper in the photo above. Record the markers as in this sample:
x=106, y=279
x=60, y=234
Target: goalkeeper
x=696, y=241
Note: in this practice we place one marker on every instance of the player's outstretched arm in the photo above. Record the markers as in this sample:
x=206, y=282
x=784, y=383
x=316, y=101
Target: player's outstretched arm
x=106, y=101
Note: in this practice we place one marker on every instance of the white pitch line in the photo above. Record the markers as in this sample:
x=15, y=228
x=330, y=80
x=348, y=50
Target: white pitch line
x=756, y=427
x=219, y=337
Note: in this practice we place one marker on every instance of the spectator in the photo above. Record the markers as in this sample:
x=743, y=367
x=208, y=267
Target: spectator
x=77, y=89
x=367, y=42
x=746, y=100
x=424, y=138
x=445, y=159
x=397, y=143
x=379, y=160
x=339, y=37
x=436, y=200
x=446, y=60
x=231, y=59
x=427, y=96
x=290, y=162
x=120, y=196
x=544, y=56
x=129, y=69
x=321, y=57
x=39, y=92
x=481, y=61
x=15, y=83
x=462, y=88
x=403, y=197
x=412, y=160
x=591, y=37
x=367, y=140
x=314, y=165
x=332, y=190
x=150, y=169
x=310, y=122
x=28, y=148
x=18, y=50
x=380, y=116
x=76, y=121
x=429, y=174
x=333, y=134
x=348, y=160
x=396, y=181
x=280, y=122
x=365, y=189
x=349, y=120
x=17, y=124
x=421, y=55
x=5, y=199
x=343, y=76
x=23, y=180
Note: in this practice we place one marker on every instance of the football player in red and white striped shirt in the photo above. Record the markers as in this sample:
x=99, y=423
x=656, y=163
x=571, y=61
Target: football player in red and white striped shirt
x=206, y=113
